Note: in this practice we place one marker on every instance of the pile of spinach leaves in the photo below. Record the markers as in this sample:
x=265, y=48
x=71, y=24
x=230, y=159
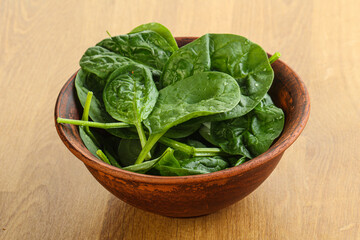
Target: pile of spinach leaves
x=163, y=110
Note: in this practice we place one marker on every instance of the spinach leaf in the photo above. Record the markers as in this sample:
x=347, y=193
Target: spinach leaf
x=199, y=95
x=130, y=95
x=102, y=62
x=85, y=82
x=205, y=164
x=128, y=150
x=106, y=144
x=195, y=143
x=235, y=161
x=146, y=47
x=161, y=30
x=204, y=131
x=251, y=134
x=182, y=130
x=188, y=60
x=88, y=141
x=148, y=165
x=247, y=62
x=170, y=166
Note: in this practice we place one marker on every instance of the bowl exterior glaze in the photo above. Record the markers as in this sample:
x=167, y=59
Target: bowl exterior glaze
x=197, y=195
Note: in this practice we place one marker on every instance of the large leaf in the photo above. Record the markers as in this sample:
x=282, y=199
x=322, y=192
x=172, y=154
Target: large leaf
x=188, y=60
x=85, y=82
x=247, y=62
x=160, y=29
x=146, y=47
x=199, y=95
x=251, y=134
x=130, y=94
x=102, y=62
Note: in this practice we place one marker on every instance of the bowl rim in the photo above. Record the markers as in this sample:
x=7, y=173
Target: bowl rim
x=275, y=150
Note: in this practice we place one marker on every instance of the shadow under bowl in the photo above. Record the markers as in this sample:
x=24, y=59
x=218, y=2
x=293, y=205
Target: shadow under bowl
x=196, y=195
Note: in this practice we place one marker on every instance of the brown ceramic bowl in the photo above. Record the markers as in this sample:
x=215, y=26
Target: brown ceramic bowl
x=196, y=195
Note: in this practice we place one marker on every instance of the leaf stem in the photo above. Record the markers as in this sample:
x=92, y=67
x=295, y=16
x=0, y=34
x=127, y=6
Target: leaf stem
x=112, y=160
x=177, y=145
x=274, y=57
x=108, y=33
x=195, y=152
x=102, y=156
x=93, y=124
x=85, y=117
x=148, y=146
x=142, y=137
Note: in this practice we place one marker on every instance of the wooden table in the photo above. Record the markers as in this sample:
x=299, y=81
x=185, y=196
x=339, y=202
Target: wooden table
x=46, y=193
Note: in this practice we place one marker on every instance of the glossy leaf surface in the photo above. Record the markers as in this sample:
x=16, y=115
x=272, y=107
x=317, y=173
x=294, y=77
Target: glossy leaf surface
x=146, y=47
x=251, y=134
x=235, y=55
x=160, y=29
x=85, y=82
x=170, y=166
x=130, y=94
x=199, y=95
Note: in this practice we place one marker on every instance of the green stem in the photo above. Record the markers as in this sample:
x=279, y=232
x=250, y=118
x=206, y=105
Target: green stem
x=142, y=138
x=102, y=156
x=112, y=160
x=148, y=146
x=93, y=124
x=108, y=33
x=85, y=117
x=209, y=152
x=177, y=145
x=274, y=57
x=195, y=152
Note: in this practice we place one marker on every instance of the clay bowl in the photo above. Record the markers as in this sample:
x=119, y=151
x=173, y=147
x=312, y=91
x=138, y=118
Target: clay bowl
x=196, y=195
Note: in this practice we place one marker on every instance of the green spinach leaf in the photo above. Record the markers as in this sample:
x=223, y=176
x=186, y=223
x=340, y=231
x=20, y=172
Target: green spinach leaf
x=170, y=166
x=182, y=130
x=202, y=94
x=247, y=62
x=204, y=131
x=148, y=165
x=199, y=95
x=85, y=82
x=146, y=47
x=188, y=60
x=130, y=95
x=102, y=62
x=128, y=151
x=160, y=29
x=251, y=134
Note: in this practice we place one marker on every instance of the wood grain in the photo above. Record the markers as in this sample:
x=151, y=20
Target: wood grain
x=46, y=193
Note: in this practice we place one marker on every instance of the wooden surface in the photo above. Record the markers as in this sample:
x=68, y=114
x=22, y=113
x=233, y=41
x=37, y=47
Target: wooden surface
x=46, y=193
